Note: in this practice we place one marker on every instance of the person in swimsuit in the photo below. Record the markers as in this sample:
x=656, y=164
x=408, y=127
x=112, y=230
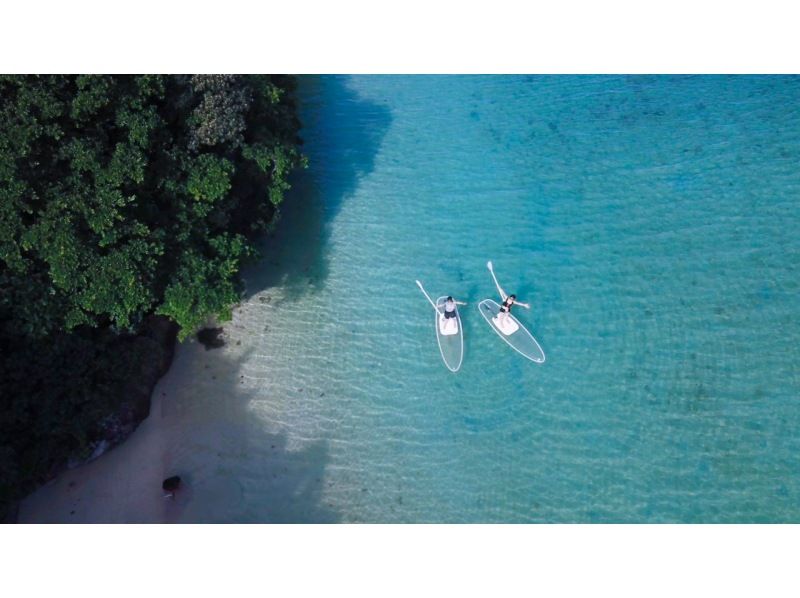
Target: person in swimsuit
x=450, y=308
x=505, y=307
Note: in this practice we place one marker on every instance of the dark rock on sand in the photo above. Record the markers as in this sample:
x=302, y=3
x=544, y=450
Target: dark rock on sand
x=210, y=338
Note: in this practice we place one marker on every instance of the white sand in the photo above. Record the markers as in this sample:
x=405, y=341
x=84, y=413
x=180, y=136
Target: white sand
x=239, y=441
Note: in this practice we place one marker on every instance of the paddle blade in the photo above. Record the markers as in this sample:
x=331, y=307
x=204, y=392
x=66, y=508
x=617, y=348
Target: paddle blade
x=489, y=264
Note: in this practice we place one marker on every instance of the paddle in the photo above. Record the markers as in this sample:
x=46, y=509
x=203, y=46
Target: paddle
x=502, y=292
x=491, y=270
x=421, y=288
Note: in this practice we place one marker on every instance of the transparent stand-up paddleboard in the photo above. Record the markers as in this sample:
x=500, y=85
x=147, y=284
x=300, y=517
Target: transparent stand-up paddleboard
x=513, y=332
x=450, y=336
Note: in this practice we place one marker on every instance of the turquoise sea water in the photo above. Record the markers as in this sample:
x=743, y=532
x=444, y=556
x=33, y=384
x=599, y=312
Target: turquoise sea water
x=652, y=223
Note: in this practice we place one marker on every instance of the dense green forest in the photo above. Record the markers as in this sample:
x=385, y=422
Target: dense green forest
x=124, y=200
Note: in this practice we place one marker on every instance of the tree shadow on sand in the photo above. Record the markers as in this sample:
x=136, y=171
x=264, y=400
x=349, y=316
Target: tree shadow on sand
x=342, y=133
x=213, y=427
x=237, y=465
x=237, y=462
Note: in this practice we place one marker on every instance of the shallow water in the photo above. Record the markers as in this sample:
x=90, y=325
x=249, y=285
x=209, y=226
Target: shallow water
x=650, y=221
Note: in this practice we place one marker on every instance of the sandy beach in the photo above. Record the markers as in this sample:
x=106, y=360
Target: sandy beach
x=200, y=427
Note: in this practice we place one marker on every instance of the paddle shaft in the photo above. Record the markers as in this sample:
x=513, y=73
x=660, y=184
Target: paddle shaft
x=497, y=284
x=421, y=288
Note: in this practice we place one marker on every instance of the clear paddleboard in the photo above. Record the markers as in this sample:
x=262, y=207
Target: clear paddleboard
x=511, y=331
x=450, y=335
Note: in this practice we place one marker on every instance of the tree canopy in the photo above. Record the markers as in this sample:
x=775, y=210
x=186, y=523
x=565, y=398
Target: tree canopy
x=126, y=195
x=120, y=197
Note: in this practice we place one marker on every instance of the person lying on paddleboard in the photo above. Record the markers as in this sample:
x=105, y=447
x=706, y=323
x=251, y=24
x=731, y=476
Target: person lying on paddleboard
x=508, y=300
x=450, y=307
x=505, y=307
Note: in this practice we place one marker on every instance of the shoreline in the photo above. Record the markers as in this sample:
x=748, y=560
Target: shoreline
x=195, y=405
x=98, y=491
x=83, y=349
x=133, y=410
x=208, y=411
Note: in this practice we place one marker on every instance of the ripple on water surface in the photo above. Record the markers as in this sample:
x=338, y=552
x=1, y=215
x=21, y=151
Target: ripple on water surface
x=650, y=221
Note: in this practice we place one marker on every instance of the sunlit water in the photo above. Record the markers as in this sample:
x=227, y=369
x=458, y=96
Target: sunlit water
x=652, y=223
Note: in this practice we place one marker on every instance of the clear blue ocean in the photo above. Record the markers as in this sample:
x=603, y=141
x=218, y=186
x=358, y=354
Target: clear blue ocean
x=651, y=222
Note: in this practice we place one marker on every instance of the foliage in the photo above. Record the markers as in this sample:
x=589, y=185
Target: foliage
x=123, y=196
x=204, y=284
x=209, y=181
x=115, y=189
x=220, y=117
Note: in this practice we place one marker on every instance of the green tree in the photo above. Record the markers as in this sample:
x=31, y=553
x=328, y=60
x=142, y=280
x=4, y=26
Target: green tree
x=121, y=197
x=109, y=186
